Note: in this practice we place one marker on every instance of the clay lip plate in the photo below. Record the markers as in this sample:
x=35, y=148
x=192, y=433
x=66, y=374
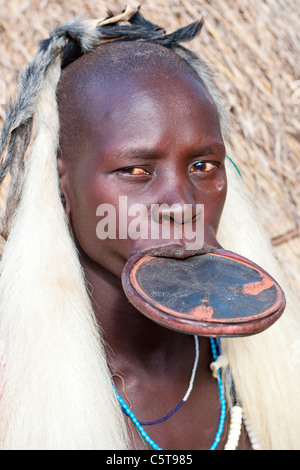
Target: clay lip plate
x=213, y=294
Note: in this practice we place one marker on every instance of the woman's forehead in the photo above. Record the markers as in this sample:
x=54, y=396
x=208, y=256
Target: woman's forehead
x=102, y=93
x=116, y=63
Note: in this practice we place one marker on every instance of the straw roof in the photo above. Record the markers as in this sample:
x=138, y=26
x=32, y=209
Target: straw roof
x=254, y=49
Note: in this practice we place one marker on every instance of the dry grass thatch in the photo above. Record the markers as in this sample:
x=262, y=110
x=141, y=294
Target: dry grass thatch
x=254, y=47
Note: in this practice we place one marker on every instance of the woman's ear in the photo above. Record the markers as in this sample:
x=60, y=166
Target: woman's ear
x=63, y=186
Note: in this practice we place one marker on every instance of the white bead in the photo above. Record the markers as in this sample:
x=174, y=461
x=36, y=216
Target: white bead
x=255, y=446
x=254, y=443
x=236, y=423
x=233, y=435
x=235, y=418
x=235, y=427
x=236, y=431
x=236, y=411
x=232, y=442
x=221, y=361
x=229, y=447
x=237, y=408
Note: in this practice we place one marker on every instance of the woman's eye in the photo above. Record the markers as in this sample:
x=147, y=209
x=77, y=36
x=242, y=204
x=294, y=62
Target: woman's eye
x=135, y=171
x=202, y=167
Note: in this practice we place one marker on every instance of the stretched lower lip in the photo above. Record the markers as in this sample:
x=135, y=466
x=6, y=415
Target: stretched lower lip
x=179, y=252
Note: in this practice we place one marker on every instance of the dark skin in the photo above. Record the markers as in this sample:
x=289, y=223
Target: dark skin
x=155, y=146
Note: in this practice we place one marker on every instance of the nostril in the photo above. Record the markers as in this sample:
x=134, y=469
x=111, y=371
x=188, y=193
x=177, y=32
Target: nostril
x=165, y=217
x=177, y=213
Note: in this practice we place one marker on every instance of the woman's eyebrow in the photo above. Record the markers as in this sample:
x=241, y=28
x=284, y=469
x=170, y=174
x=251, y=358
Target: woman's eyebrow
x=144, y=153
x=141, y=153
x=216, y=147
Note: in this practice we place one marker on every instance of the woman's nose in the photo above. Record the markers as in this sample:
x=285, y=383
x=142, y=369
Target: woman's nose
x=177, y=206
x=178, y=213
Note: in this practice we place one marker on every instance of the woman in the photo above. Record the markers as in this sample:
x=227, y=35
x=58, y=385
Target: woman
x=136, y=115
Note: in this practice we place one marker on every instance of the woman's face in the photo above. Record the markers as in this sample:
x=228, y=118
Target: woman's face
x=152, y=140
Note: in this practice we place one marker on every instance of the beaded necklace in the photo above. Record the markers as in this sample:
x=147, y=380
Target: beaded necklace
x=215, y=347
x=186, y=396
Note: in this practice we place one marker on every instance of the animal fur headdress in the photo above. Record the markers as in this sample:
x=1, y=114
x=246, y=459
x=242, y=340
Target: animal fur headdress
x=55, y=386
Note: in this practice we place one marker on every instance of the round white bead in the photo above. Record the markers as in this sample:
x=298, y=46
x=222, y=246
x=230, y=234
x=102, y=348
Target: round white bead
x=229, y=447
x=232, y=442
x=235, y=427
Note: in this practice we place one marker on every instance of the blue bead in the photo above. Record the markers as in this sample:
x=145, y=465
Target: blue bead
x=215, y=348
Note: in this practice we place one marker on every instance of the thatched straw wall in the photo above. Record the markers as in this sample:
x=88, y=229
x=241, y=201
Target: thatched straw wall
x=254, y=47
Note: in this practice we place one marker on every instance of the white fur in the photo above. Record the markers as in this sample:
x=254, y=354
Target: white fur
x=266, y=374
x=56, y=389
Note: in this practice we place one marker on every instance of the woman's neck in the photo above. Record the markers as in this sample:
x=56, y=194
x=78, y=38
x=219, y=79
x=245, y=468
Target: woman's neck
x=129, y=336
